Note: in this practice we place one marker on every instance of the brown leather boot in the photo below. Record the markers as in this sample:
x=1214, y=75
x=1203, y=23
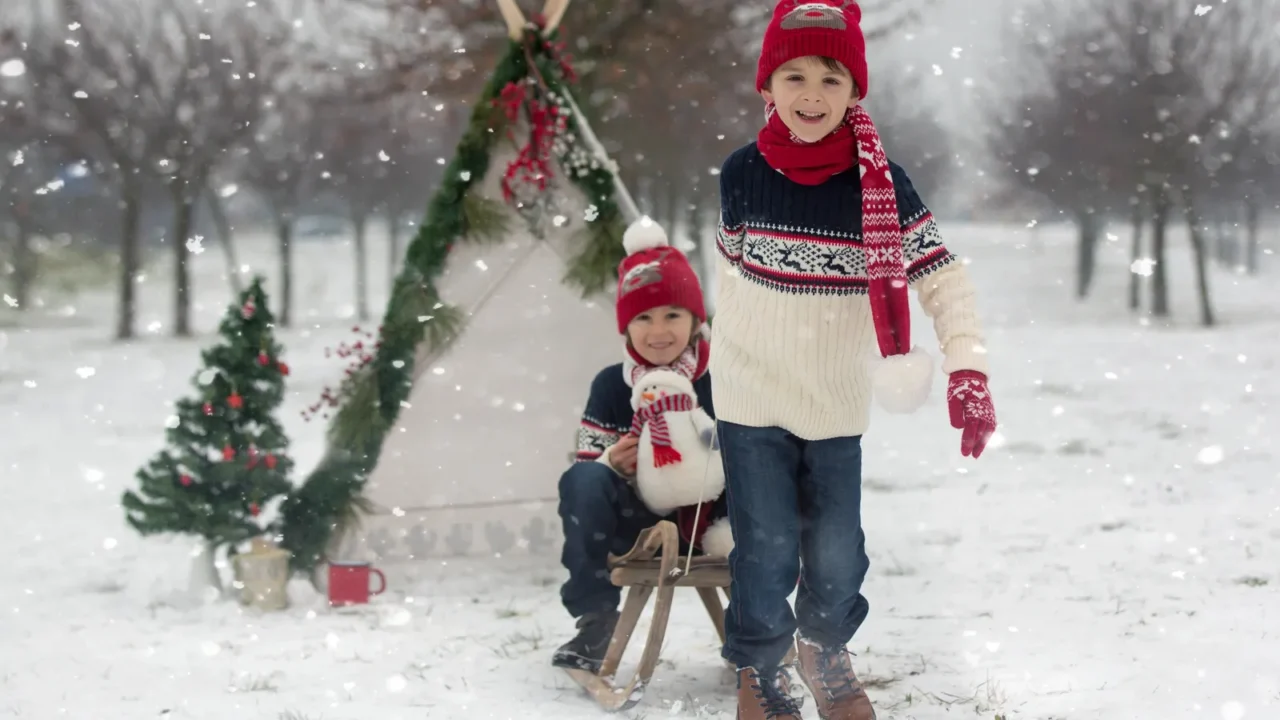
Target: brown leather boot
x=828, y=674
x=765, y=696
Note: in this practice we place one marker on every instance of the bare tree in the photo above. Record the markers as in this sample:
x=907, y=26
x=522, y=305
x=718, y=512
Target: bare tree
x=96, y=90
x=281, y=165
x=358, y=164
x=218, y=88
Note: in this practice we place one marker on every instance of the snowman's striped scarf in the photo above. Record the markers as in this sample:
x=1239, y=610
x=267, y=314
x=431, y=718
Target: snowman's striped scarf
x=659, y=434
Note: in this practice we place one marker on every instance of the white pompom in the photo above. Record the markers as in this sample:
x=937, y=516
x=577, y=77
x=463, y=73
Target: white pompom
x=901, y=383
x=717, y=541
x=644, y=234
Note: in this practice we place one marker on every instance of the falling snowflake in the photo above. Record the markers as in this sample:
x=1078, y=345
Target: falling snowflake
x=1211, y=455
x=195, y=244
x=85, y=372
x=13, y=68
x=1202, y=10
x=10, y=301
x=1143, y=267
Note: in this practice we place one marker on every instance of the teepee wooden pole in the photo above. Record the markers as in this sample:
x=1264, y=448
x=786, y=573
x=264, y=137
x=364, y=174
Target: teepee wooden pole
x=553, y=11
x=602, y=156
x=515, y=19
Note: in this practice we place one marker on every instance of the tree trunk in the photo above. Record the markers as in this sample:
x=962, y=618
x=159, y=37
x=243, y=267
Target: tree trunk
x=1086, y=251
x=1199, y=253
x=24, y=265
x=393, y=247
x=130, y=257
x=673, y=208
x=1251, y=217
x=1159, y=278
x=361, y=222
x=1135, y=255
x=218, y=211
x=284, y=240
x=184, y=206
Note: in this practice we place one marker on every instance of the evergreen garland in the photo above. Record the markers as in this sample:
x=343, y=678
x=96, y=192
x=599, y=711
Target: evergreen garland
x=330, y=499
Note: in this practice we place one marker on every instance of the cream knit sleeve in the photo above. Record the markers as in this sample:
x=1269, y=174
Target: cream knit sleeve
x=948, y=299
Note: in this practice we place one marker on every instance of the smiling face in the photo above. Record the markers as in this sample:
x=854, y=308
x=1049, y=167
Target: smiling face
x=661, y=334
x=811, y=95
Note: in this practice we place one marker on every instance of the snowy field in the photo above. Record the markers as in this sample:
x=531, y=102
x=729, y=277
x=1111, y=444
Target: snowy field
x=1114, y=556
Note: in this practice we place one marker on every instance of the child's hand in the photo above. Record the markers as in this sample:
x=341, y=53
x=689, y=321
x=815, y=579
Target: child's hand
x=969, y=403
x=622, y=456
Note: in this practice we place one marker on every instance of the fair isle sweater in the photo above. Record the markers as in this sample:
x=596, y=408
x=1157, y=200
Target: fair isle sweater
x=607, y=416
x=793, y=332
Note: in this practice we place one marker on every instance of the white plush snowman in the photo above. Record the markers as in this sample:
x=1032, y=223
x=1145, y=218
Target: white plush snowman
x=677, y=463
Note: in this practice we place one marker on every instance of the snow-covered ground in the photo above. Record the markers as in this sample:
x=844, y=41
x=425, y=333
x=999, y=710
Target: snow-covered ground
x=1114, y=556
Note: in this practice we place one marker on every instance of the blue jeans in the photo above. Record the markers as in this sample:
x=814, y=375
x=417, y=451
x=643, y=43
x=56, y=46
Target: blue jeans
x=793, y=504
x=600, y=513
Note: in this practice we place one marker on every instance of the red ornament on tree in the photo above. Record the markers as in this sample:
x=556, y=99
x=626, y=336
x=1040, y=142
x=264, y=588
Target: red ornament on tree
x=228, y=453
x=283, y=368
x=263, y=360
x=270, y=460
x=248, y=309
x=254, y=509
x=208, y=408
x=185, y=480
x=234, y=401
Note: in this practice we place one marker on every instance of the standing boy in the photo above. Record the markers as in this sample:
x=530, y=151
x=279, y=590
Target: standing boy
x=819, y=238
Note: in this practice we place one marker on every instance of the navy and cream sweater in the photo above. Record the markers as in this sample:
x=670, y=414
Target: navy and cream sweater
x=608, y=413
x=793, y=333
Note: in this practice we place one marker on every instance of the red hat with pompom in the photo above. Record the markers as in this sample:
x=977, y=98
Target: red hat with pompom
x=654, y=274
x=830, y=28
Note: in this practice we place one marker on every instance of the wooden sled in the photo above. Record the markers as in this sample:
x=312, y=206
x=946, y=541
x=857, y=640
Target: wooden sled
x=653, y=563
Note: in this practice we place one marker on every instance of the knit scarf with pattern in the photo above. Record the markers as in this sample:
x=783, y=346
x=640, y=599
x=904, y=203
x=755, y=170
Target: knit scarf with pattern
x=855, y=140
x=653, y=415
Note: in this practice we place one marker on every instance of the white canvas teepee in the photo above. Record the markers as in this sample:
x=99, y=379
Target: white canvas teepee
x=472, y=465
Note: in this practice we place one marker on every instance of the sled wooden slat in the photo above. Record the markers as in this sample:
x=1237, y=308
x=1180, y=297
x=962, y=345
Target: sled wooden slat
x=710, y=573
x=652, y=567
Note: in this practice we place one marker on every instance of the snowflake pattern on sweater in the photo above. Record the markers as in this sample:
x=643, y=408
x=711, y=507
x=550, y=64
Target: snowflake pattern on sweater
x=814, y=245
x=608, y=414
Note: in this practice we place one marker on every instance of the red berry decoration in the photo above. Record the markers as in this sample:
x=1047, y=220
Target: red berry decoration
x=270, y=461
x=284, y=369
x=254, y=509
x=234, y=401
x=208, y=408
x=263, y=360
x=185, y=480
x=228, y=452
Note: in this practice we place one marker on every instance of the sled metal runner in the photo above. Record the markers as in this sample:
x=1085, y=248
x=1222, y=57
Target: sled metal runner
x=653, y=564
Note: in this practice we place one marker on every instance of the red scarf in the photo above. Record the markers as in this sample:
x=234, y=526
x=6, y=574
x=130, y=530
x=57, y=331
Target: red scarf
x=855, y=140
x=804, y=162
x=654, y=416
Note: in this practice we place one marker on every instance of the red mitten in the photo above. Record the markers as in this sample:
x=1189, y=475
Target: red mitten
x=969, y=402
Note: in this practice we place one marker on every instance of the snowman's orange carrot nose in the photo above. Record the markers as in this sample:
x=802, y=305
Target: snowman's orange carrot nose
x=648, y=396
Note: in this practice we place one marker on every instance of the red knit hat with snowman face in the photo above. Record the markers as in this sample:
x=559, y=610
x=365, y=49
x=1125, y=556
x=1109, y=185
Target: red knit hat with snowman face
x=825, y=28
x=654, y=274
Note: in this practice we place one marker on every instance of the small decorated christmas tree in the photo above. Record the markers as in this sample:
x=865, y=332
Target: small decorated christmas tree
x=225, y=456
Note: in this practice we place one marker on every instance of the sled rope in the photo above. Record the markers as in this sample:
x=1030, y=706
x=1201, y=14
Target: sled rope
x=697, y=512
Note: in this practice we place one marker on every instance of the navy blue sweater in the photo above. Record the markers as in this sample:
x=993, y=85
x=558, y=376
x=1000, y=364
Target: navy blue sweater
x=608, y=414
x=754, y=195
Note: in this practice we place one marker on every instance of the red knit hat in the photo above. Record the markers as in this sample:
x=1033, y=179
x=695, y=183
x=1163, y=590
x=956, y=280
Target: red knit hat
x=654, y=274
x=827, y=28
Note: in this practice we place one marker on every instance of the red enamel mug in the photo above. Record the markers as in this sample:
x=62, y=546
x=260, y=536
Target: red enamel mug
x=349, y=582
